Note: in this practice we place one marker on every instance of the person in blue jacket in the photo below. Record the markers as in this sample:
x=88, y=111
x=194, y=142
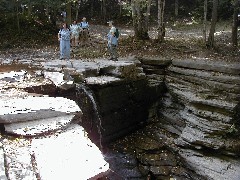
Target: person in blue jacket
x=112, y=42
x=64, y=36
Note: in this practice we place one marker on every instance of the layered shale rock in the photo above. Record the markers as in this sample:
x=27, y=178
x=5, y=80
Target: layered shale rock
x=210, y=93
x=210, y=166
x=201, y=109
x=155, y=70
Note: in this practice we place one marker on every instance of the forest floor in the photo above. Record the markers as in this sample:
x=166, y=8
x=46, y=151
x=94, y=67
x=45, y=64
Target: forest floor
x=181, y=41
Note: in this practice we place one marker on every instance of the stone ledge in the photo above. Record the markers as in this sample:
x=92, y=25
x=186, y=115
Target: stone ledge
x=155, y=61
x=38, y=127
x=209, y=65
x=34, y=108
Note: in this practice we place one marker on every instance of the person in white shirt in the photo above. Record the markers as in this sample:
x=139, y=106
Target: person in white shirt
x=75, y=29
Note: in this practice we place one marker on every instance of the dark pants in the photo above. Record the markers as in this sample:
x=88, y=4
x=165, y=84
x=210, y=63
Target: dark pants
x=84, y=36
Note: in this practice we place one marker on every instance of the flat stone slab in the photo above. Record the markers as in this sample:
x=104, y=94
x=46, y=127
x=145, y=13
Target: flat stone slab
x=210, y=76
x=155, y=61
x=212, y=167
x=88, y=68
x=209, y=65
x=18, y=161
x=69, y=155
x=42, y=126
x=10, y=93
x=101, y=80
x=21, y=79
x=190, y=97
x=13, y=76
x=35, y=108
x=55, y=77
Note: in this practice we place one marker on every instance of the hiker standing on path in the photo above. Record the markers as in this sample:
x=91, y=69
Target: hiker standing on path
x=112, y=42
x=84, y=32
x=75, y=29
x=64, y=36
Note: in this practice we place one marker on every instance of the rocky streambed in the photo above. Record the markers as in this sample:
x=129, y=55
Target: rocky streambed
x=144, y=116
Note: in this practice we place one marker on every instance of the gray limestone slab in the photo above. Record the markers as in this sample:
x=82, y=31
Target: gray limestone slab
x=18, y=159
x=212, y=167
x=34, y=108
x=38, y=127
x=68, y=155
x=209, y=65
x=211, y=76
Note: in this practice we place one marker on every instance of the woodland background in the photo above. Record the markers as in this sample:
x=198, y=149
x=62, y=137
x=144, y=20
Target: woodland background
x=30, y=23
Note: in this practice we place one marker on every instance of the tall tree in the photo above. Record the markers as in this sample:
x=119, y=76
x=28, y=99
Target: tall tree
x=210, y=42
x=120, y=3
x=235, y=23
x=103, y=10
x=16, y=3
x=139, y=9
x=161, y=24
x=77, y=10
x=176, y=7
x=29, y=8
x=205, y=21
x=147, y=15
x=92, y=8
x=69, y=12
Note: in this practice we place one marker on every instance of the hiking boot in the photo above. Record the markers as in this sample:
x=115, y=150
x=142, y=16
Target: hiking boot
x=111, y=58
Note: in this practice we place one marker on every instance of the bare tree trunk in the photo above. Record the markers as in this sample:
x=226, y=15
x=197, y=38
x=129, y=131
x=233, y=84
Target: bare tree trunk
x=139, y=19
x=120, y=8
x=17, y=15
x=139, y=22
x=101, y=8
x=134, y=16
x=147, y=15
x=176, y=8
x=205, y=21
x=161, y=25
x=69, y=13
x=47, y=13
x=92, y=8
x=104, y=10
x=29, y=8
x=77, y=10
x=235, y=23
x=210, y=42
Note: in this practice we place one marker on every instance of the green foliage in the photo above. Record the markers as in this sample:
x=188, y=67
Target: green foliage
x=31, y=32
x=33, y=15
x=232, y=129
x=6, y=5
x=225, y=9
